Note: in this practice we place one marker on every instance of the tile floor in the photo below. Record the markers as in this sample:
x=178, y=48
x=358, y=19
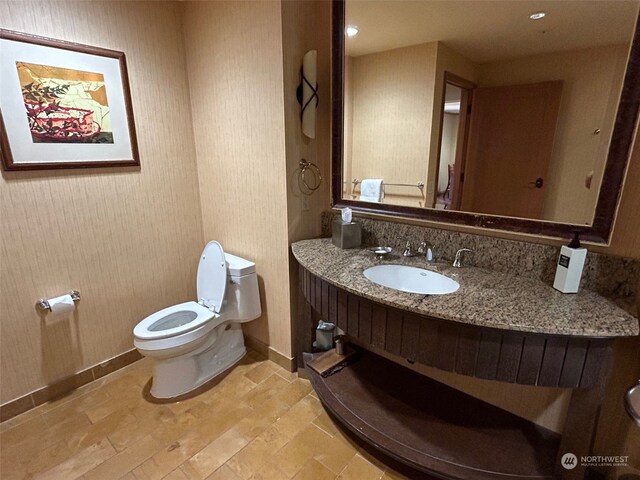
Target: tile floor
x=258, y=422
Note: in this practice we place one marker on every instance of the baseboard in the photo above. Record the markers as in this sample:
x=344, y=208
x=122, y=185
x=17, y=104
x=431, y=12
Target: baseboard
x=285, y=362
x=66, y=385
x=276, y=357
x=254, y=344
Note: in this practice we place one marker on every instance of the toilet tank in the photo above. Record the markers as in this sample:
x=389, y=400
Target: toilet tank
x=242, y=298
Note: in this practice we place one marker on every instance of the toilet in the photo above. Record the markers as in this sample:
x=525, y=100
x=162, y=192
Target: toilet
x=192, y=342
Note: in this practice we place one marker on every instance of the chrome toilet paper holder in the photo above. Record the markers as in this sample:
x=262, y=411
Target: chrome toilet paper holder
x=42, y=305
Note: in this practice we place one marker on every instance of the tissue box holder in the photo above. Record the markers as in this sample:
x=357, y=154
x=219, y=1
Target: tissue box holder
x=346, y=235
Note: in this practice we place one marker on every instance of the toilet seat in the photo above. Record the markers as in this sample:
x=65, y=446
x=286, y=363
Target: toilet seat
x=211, y=280
x=172, y=321
x=177, y=320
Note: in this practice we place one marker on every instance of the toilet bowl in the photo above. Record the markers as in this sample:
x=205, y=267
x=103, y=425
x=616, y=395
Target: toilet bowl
x=192, y=342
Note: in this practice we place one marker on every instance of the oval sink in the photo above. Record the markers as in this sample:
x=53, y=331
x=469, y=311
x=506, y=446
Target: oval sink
x=411, y=279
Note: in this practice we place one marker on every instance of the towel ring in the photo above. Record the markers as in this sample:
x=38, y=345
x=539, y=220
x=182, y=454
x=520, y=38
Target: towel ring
x=307, y=168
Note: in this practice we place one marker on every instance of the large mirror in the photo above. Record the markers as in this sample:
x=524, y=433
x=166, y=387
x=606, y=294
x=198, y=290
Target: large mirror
x=510, y=114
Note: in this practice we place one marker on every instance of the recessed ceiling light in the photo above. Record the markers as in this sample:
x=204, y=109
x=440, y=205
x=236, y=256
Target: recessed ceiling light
x=537, y=15
x=352, y=30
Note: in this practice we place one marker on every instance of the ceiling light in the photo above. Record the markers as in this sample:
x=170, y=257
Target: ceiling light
x=352, y=30
x=537, y=15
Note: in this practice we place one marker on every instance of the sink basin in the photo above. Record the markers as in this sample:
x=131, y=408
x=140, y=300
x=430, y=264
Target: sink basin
x=411, y=279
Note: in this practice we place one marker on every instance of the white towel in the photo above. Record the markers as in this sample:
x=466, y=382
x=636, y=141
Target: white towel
x=371, y=190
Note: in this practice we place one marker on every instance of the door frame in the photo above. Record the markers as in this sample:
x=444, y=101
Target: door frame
x=463, y=133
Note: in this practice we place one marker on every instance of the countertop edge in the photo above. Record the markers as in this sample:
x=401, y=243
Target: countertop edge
x=499, y=326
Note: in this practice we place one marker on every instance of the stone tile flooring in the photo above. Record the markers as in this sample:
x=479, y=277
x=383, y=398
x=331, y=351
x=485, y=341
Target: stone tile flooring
x=258, y=422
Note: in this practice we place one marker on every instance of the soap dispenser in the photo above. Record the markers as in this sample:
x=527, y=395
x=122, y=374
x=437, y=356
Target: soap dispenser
x=570, y=266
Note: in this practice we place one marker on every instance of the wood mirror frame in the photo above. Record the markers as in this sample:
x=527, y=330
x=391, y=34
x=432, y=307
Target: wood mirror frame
x=610, y=189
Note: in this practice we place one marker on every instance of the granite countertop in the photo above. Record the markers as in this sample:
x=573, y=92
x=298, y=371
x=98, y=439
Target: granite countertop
x=485, y=298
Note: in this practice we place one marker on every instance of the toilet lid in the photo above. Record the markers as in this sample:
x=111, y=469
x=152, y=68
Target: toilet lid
x=212, y=276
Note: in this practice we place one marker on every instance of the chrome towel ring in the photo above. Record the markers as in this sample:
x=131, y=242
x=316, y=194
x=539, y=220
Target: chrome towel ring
x=309, y=169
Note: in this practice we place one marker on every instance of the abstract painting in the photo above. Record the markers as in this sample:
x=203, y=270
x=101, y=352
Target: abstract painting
x=64, y=105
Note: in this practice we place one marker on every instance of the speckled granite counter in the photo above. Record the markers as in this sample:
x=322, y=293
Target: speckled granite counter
x=485, y=298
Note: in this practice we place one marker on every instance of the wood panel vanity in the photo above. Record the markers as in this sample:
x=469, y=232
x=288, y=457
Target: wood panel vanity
x=496, y=327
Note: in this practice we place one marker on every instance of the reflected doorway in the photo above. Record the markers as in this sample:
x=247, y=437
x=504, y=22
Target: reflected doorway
x=456, y=108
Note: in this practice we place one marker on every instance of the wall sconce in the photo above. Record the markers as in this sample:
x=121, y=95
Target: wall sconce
x=307, y=93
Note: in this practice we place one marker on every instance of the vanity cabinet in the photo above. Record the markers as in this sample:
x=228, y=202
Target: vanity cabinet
x=483, y=352
x=578, y=362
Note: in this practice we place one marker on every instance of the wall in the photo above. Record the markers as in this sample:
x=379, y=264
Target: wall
x=127, y=238
x=303, y=24
x=304, y=27
x=592, y=79
x=393, y=99
x=392, y=116
x=236, y=84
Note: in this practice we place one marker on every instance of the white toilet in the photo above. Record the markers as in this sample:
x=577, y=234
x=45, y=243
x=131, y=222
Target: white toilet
x=192, y=342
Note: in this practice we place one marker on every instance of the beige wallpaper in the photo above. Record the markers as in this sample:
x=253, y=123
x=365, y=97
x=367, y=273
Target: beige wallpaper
x=592, y=80
x=393, y=98
x=392, y=117
x=128, y=239
x=236, y=85
x=304, y=27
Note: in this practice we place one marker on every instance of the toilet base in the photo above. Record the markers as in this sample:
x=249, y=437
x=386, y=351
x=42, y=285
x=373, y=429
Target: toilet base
x=177, y=376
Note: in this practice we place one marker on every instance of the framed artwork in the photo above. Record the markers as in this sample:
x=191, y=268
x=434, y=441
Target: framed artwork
x=63, y=105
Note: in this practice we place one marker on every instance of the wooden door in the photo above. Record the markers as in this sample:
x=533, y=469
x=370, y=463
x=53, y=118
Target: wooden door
x=510, y=144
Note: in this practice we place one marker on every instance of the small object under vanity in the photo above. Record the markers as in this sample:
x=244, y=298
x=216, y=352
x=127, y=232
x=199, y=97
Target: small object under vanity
x=334, y=360
x=570, y=266
x=324, y=335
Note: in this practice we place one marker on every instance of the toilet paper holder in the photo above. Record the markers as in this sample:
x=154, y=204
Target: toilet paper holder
x=42, y=304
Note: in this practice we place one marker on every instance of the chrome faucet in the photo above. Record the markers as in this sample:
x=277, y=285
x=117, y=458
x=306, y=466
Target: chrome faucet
x=408, y=250
x=457, y=262
x=426, y=249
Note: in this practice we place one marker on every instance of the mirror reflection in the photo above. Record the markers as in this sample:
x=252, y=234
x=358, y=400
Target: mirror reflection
x=496, y=107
